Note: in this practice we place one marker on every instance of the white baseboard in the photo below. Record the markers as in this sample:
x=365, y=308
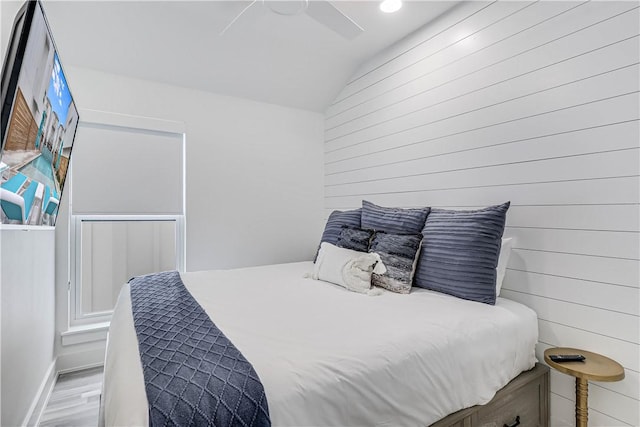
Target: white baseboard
x=80, y=360
x=42, y=396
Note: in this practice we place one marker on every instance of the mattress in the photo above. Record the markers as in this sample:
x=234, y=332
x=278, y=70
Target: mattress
x=330, y=357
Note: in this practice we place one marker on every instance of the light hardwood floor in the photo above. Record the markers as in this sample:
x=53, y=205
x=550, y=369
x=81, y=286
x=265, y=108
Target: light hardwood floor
x=75, y=400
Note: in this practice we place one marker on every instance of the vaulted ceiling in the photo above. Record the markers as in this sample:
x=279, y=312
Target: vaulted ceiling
x=287, y=60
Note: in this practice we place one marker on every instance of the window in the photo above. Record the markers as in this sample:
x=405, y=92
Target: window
x=126, y=208
x=113, y=249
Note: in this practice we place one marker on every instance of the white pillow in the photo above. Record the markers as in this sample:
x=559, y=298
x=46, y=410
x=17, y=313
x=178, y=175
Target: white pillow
x=347, y=268
x=503, y=259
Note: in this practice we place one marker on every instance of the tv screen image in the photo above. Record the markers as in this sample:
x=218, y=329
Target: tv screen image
x=41, y=120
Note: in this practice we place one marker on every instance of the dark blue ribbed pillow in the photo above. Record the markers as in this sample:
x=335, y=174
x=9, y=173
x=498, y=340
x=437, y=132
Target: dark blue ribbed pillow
x=393, y=220
x=336, y=220
x=460, y=252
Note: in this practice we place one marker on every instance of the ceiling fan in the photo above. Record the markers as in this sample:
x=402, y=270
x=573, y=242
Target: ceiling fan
x=320, y=10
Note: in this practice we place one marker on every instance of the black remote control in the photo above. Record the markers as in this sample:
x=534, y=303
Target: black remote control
x=559, y=358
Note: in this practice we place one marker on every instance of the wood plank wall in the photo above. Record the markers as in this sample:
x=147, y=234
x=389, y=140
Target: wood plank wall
x=533, y=102
x=23, y=129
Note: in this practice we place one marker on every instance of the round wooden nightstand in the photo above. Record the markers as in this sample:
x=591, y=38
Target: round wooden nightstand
x=595, y=367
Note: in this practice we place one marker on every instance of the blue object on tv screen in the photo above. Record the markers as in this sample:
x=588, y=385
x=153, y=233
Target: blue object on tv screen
x=38, y=123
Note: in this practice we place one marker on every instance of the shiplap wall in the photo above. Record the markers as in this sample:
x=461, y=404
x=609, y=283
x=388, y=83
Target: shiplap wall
x=533, y=102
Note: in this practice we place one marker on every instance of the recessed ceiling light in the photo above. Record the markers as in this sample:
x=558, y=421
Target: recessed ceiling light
x=390, y=6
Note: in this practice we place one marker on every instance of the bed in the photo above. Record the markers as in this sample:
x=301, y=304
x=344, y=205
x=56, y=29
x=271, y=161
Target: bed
x=330, y=357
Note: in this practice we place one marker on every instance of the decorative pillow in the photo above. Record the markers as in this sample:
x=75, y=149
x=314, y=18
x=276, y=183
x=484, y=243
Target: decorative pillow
x=355, y=239
x=393, y=220
x=460, y=252
x=503, y=260
x=335, y=222
x=347, y=268
x=399, y=254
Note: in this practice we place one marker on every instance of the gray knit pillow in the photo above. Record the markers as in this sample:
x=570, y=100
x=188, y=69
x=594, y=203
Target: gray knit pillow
x=355, y=239
x=399, y=254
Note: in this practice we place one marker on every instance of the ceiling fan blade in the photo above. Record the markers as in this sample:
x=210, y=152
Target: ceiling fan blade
x=237, y=17
x=331, y=17
x=287, y=7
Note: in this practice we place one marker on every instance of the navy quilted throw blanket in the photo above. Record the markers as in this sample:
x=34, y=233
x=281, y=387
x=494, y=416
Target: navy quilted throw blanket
x=193, y=374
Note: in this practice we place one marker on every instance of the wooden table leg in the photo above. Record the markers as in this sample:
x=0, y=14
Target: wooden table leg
x=582, y=408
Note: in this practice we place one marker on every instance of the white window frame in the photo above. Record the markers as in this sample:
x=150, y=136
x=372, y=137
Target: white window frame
x=77, y=317
x=98, y=320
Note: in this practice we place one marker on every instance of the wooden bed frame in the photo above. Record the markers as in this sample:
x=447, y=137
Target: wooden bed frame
x=523, y=402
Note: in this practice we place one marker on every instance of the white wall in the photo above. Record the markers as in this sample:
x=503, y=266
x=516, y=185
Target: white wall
x=536, y=103
x=27, y=294
x=253, y=175
x=254, y=170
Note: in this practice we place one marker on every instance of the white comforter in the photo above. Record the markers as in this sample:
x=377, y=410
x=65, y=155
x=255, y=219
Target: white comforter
x=330, y=357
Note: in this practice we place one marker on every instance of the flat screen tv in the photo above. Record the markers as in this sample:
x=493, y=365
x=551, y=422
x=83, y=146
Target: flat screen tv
x=38, y=123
